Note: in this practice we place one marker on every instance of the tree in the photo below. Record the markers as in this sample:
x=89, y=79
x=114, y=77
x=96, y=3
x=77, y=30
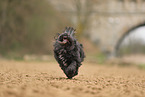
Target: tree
x=84, y=10
x=28, y=26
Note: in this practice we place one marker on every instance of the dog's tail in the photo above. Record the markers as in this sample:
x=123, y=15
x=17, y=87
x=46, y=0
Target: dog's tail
x=70, y=31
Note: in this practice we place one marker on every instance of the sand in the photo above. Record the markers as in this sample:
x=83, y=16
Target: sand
x=46, y=79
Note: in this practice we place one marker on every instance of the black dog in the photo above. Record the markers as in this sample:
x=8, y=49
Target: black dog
x=68, y=52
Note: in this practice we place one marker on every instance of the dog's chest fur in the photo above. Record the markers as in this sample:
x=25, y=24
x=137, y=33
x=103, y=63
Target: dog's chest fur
x=66, y=54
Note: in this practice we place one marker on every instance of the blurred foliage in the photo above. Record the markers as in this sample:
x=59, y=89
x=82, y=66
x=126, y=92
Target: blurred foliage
x=28, y=26
x=141, y=66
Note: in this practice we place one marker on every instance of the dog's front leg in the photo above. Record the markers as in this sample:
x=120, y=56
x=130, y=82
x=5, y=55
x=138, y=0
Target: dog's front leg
x=71, y=70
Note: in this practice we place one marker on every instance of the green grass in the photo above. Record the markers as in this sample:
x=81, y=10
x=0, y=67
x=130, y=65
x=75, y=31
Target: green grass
x=141, y=66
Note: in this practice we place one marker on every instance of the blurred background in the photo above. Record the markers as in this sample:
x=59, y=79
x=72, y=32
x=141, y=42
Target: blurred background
x=111, y=30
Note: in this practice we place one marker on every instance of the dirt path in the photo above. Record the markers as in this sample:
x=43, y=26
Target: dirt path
x=45, y=79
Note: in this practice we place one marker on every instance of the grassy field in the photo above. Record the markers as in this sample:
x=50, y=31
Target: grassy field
x=45, y=79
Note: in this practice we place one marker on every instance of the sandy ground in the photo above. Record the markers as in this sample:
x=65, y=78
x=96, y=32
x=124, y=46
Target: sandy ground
x=45, y=79
x=136, y=59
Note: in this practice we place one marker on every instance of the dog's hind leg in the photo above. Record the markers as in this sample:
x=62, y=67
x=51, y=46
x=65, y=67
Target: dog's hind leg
x=71, y=70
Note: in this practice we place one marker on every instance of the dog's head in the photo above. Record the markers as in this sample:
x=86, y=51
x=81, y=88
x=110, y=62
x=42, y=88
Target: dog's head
x=65, y=39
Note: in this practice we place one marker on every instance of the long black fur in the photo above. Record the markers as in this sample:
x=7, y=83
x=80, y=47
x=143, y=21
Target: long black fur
x=68, y=55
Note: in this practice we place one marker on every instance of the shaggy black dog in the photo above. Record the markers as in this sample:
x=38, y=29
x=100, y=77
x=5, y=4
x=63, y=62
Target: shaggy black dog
x=68, y=52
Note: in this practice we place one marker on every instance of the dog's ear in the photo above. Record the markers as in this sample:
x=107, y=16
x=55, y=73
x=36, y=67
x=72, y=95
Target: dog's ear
x=72, y=31
x=66, y=30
